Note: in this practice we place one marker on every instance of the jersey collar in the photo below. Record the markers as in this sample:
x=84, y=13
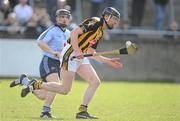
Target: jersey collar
x=60, y=27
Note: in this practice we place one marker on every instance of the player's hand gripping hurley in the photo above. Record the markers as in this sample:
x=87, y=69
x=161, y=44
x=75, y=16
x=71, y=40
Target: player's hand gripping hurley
x=130, y=49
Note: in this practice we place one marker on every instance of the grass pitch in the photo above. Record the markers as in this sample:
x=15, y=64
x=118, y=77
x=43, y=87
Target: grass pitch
x=114, y=101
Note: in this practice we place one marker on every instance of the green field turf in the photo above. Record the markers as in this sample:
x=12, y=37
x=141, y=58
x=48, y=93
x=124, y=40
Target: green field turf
x=114, y=101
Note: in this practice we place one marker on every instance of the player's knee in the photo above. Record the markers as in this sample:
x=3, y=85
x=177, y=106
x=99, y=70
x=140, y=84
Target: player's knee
x=40, y=95
x=95, y=83
x=65, y=91
x=41, y=98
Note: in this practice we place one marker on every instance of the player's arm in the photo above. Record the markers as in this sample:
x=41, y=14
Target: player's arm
x=74, y=41
x=74, y=38
x=114, y=62
x=45, y=38
x=46, y=48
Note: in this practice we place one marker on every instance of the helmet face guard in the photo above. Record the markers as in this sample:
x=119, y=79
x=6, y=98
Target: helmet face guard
x=65, y=13
x=62, y=12
x=111, y=12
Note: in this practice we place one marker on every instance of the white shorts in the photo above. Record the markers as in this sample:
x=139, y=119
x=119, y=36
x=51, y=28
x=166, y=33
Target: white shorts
x=67, y=63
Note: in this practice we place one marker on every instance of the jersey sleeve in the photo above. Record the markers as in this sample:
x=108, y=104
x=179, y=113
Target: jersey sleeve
x=46, y=36
x=89, y=25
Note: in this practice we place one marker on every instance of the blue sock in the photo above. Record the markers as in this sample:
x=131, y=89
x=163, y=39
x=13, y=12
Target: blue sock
x=25, y=81
x=46, y=109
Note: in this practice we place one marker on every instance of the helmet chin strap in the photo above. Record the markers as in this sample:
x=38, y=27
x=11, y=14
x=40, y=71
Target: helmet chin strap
x=107, y=23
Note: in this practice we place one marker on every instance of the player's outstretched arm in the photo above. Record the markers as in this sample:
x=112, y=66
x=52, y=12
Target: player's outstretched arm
x=114, y=62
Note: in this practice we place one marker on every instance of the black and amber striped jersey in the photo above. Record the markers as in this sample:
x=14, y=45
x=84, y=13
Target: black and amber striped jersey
x=92, y=33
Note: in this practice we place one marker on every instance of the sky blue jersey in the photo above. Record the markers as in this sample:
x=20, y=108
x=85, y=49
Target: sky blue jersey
x=55, y=38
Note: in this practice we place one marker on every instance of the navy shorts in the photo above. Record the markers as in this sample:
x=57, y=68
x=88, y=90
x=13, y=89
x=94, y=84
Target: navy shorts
x=48, y=66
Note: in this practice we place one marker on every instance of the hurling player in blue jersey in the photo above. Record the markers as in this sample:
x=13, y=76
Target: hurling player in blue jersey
x=51, y=43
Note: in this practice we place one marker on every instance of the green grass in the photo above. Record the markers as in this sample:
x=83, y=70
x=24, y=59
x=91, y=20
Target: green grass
x=114, y=101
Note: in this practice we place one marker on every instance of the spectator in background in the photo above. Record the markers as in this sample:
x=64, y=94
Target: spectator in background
x=115, y=3
x=72, y=7
x=4, y=11
x=43, y=17
x=61, y=4
x=175, y=28
x=52, y=6
x=38, y=23
x=31, y=27
x=13, y=26
x=13, y=3
x=160, y=8
x=43, y=21
x=72, y=4
x=137, y=12
x=23, y=12
x=96, y=7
